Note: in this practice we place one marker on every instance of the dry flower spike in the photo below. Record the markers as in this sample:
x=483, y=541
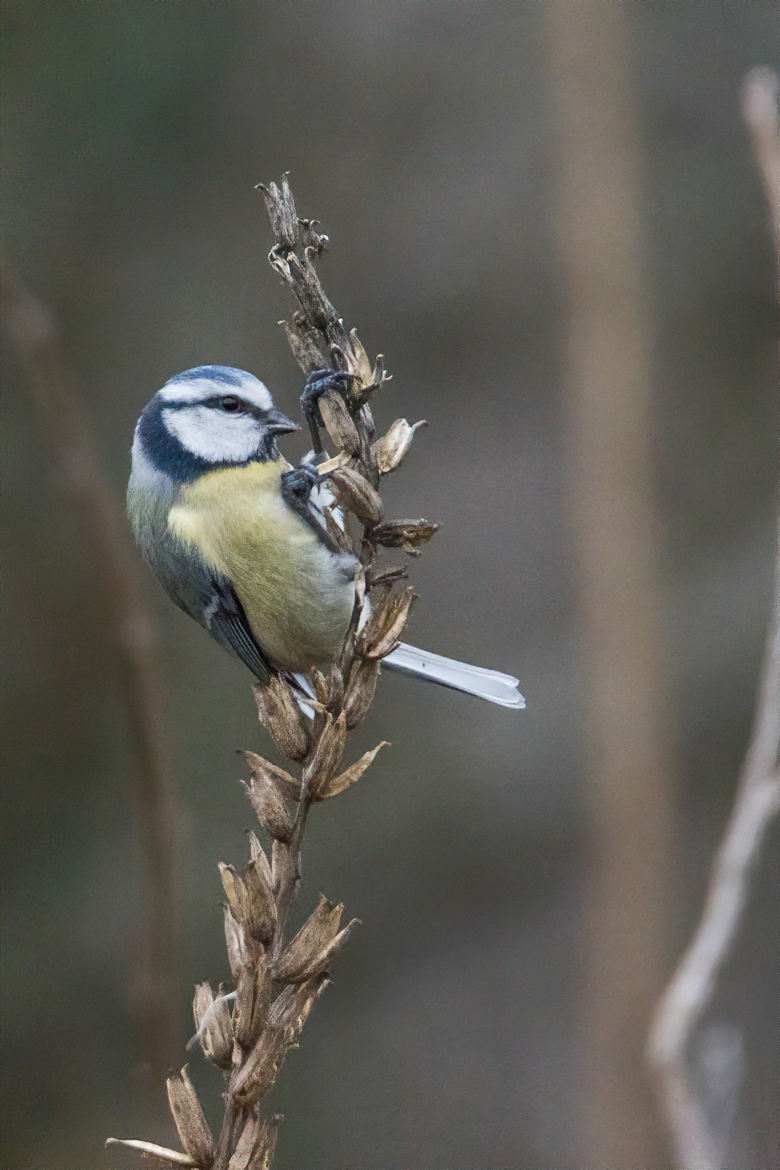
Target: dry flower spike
x=278, y=978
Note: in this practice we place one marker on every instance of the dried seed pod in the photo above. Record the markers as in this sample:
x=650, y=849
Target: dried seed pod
x=293, y=1004
x=262, y=990
x=304, y=950
x=356, y=361
x=405, y=534
x=194, y=1133
x=311, y=237
x=338, y=422
x=299, y=968
x=261, y=906
x=321, y=961
x=269, y=806
x=336, y=684
x=261, y=1068
x=320, y=684
x=259, y=856
x=360, y=689
x=235, y=944
x=355, y=493
x=256, y=1146
x=279, y=853
x=327, y=754
x=385, y=575
x=280, y=206
x=391, y=448
x=214, y=1028
x=287, y=785
x=281, y=716
x=350, y=775
x=385, y=623
x=245, y=1000
x=235, y=890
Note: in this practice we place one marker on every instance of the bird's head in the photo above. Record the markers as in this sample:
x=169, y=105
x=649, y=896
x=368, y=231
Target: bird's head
x=210, y=417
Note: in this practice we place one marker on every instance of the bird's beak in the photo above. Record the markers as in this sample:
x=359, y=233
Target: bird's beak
x=277, y=423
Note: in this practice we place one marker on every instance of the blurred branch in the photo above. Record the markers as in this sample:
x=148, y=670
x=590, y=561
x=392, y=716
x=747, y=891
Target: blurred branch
x=759, y=110
x=114, y=568
x=614, y=523
x=691, y=990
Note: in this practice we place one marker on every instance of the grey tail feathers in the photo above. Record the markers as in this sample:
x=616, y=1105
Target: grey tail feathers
x=474, y=680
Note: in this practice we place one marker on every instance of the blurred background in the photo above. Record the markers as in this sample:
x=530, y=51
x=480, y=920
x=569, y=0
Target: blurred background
x=507, y=187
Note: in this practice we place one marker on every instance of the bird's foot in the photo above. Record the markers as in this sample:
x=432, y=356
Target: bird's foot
x=298, y=484
x=317, y=383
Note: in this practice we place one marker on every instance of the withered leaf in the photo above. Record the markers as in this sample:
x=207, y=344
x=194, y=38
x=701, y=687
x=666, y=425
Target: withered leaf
x=160, y=1155
x=351, y=774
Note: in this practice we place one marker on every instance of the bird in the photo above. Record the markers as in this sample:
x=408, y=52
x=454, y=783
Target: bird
x=236, y=535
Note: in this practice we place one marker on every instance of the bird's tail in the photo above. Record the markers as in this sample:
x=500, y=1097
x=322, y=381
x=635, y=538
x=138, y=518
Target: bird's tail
x=474, y=680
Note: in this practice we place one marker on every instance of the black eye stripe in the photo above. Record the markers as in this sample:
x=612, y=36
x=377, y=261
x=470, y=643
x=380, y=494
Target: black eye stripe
x=217, y=403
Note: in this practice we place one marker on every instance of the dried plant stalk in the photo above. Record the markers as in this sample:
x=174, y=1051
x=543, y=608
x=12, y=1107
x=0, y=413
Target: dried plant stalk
x=688, y=1109
x=279, y=978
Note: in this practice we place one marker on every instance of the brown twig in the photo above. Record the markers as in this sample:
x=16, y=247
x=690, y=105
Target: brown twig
x=33, y=330
x=279, y=978
x=692, y=988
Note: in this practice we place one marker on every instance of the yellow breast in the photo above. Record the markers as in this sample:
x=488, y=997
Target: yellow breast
x=297, y=595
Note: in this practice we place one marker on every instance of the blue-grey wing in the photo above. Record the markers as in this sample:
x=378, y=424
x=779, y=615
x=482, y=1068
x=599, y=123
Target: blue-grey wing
x=209, y=598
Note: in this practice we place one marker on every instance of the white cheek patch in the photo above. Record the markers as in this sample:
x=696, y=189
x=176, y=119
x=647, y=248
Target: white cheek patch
x=251, y=389
x=216, y=437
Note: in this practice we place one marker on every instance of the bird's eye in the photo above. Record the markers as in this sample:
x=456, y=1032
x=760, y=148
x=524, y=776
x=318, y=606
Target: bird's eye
x=230, y=403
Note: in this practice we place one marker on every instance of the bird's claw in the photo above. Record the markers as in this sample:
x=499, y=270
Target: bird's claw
x=298, y=484
x=317, y=383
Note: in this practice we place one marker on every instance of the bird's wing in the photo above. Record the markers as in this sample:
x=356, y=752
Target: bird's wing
x=226, y=620
x=209, y=598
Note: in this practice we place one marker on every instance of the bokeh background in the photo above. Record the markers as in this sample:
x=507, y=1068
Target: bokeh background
x=468, y=1024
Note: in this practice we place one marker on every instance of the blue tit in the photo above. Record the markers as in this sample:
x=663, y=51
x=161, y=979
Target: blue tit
x=237, y=538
